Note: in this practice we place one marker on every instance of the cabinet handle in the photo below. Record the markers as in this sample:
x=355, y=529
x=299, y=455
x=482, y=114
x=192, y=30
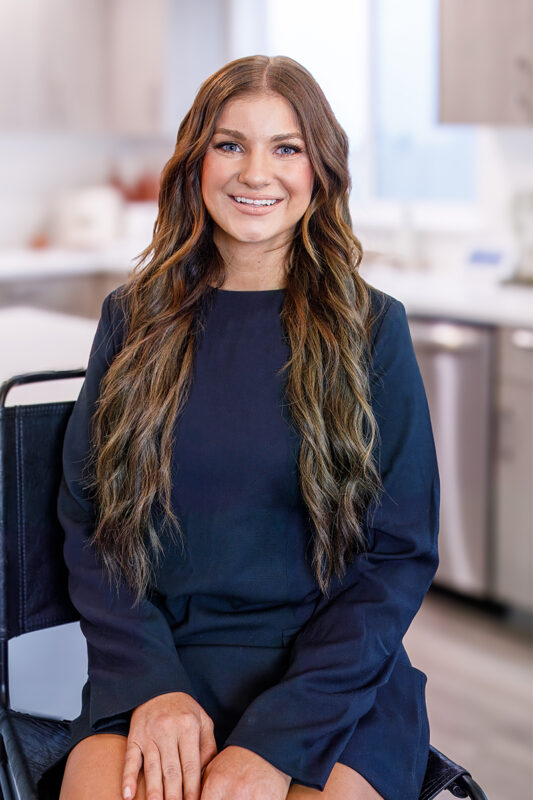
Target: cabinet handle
x=506, y=437
x=443, y=336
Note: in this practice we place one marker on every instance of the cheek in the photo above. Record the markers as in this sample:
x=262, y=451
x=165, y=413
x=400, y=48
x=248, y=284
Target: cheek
x=204, y=179
x=303, y=183
x=209, y=175
x=310, y=175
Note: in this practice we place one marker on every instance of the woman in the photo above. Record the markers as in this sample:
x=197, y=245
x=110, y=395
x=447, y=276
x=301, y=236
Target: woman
x=254, y=434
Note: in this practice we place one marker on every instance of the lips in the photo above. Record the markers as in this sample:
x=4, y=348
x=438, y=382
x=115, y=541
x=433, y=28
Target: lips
x=234, y=197
x=250, y=208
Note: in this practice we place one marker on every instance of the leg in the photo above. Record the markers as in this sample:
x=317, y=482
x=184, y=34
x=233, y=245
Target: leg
x=344, y=783
x=94, y=769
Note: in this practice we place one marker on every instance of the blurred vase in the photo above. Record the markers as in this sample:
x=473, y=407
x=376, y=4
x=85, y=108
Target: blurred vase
x=90, y=217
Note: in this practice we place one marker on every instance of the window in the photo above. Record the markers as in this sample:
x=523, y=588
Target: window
x=330, y=40
x=416, y=158
x=377, y=62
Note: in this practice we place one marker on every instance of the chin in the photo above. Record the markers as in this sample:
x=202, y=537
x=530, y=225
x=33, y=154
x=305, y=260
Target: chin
x=251, y=237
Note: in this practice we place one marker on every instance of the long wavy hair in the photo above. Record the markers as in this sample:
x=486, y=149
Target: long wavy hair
x=326, y=316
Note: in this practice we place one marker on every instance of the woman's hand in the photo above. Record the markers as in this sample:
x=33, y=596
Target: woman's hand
x=239, y=772
x=174, y=737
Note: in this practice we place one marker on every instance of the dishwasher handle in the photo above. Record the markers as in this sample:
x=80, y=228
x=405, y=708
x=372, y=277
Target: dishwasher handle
x=446, y=336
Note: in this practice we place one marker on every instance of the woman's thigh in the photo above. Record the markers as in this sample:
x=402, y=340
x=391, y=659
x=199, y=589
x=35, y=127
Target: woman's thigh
x=344, y=783
x=94, y=769
x=95, y=765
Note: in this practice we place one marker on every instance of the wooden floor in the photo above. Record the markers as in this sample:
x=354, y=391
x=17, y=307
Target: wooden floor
x=479, y=691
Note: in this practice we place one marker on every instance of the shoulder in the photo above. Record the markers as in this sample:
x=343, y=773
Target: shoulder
x=394, y=365
x=388, y=316
x=114, y=317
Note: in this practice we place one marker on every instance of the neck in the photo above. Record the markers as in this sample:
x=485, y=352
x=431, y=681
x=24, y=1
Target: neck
x=250, y=266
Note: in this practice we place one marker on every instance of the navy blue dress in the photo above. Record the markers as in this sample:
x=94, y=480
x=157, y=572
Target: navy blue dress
x=236, y=618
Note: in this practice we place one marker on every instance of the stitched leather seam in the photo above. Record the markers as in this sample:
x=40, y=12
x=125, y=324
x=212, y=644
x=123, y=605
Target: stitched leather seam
x=437, y=782
x=45, y=410
x=17, y=471
x=23, y=510
x=20, y=516
x=433, y=784
x=24, y=527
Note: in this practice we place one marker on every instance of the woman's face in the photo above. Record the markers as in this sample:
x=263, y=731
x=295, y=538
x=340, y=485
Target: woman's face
x=257, y=153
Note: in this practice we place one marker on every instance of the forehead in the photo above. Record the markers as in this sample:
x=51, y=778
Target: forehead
x=260, y=115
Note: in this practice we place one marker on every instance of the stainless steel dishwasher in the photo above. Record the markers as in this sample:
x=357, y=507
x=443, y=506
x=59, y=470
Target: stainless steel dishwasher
x=513, y=516
x=455, y=361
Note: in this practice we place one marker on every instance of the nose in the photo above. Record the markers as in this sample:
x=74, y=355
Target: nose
x=255, y=170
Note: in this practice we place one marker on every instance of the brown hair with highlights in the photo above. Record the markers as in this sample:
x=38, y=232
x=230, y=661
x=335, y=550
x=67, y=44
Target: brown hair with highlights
x=326, y=315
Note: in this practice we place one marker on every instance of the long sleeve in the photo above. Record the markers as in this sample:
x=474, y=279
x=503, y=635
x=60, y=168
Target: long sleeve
x=131, y=654
x=348, y=647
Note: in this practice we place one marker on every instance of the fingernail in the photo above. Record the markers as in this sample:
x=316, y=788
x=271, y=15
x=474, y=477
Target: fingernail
x=127, y=793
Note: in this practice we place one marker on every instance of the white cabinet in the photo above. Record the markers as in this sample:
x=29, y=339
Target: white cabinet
x=137, y=33
x=52, y=65
x=75, y=66
x=159, y=54
x=126, y=67
x=486, y=61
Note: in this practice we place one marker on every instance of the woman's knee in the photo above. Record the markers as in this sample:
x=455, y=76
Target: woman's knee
x=94, y=768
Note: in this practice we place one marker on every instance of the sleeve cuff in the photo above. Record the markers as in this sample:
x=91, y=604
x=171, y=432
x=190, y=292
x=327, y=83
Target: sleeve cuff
x=305, y=750
x=125, y=695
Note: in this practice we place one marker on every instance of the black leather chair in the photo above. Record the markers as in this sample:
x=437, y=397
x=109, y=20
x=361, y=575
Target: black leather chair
x=34, y=593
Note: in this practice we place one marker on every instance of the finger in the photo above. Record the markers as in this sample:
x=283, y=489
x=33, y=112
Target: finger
x=153, y=777
x=171, y=769
x=133, y=761
x=208, y=745
x=191, y=767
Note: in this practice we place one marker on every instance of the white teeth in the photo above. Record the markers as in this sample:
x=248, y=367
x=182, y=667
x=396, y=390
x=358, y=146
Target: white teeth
x=255, y=202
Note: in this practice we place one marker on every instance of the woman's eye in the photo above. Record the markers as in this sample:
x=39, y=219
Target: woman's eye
x=289, y=147
x=223, y=145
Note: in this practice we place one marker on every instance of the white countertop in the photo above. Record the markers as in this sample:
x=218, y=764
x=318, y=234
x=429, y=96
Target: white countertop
x=461, y=297
x=35, y=340
x=23, y=262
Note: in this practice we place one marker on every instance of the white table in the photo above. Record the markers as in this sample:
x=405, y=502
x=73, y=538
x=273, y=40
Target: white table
x=34, y=340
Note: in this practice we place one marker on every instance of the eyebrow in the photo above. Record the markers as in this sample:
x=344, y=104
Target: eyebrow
x=278, y=138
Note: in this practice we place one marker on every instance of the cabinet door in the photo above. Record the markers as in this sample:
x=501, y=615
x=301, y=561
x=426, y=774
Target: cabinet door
x=159, y=53
x=74, y=74
x=137, y=52
x=513, y=545
x=486, y=61
x=21, y=63
x=51, y=65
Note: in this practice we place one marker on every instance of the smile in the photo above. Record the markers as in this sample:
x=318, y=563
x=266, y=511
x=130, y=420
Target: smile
x=265, y=202
x=250, y=206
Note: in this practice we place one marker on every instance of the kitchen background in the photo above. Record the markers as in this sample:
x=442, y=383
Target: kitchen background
x=437, y=100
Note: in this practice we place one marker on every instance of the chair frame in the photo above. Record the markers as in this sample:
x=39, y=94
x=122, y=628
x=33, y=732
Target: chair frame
x=16, y=780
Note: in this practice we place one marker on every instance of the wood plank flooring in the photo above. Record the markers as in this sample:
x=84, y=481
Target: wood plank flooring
x=479, y=691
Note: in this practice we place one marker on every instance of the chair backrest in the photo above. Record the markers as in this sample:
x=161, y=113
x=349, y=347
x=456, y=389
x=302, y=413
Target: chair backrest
x=34, y=578
x=33, y=575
